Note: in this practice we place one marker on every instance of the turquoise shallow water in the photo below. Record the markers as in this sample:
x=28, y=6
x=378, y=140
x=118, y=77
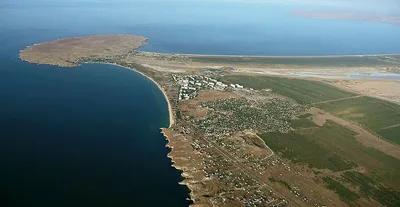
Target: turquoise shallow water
x=89, y=136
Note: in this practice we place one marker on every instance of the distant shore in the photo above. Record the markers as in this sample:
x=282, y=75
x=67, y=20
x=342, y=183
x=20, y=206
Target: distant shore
x=279, y=56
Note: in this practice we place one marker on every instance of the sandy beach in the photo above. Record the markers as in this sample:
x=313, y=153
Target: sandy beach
x=166, y=131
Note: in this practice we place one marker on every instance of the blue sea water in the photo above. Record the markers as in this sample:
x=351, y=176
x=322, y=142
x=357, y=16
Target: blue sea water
x=241, y=27
x=89, y=136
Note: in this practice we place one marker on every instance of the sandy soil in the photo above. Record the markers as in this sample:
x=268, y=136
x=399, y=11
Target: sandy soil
x=336, y=76
x=383, y=89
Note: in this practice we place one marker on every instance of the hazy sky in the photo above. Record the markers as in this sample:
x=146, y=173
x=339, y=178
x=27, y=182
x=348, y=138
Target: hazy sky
x=385, y=7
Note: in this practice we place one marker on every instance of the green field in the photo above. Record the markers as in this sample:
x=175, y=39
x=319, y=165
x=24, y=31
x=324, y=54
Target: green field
x=372, y=113
x=335, y=148
x=345, y=194
x=309, y=62
x=306, y=115
x=302, y=91
x=302, y=123
x=370, y=188
x=293, y=146
x=340, y=140
x=392, y=134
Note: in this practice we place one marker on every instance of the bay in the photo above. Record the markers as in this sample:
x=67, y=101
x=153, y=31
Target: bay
x=89, y=136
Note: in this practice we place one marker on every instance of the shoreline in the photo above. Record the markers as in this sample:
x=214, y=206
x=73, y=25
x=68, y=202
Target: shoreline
x=168, y=145
x=171, y=123
x=274, y=56
x=183, y=174
x=170, y=155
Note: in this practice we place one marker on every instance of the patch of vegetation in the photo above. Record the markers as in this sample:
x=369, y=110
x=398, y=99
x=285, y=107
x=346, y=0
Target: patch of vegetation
x=340, y=140
x=284, y=62
x=294, y=146
x=302, y=123
x=345, y=194
x=335, y=148
x=392, y=134
x=306, y=115
x=370, y=188
x=254, y=140
x=178, y=114
x=372, y=113
x=302, y=91
x=282, y=182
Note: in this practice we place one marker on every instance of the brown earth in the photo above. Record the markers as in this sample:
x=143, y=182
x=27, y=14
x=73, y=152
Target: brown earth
x=70, y=51
x=383, y=89
x=183, y=158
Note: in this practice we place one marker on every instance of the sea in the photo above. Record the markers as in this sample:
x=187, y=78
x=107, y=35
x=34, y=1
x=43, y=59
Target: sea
x=90, y=135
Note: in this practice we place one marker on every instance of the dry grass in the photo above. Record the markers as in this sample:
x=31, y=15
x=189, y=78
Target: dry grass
x=68, y=52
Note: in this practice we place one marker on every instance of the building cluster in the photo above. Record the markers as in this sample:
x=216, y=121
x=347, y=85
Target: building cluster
x=190, y=85
x=238, y=114
x=243, y=187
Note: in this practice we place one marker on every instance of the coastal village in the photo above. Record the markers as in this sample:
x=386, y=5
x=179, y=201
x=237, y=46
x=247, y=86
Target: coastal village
x=225, y=137
x=224, y=151
x=227, y=153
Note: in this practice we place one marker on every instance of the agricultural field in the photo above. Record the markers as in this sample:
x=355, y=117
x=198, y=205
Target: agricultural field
x=344, y=193
x=370, y=188
x=302, y=123
x=293, y=146
x=335, y=148
x=379, y=116
x=302, y=91
x=390, y=133
x=299, y=62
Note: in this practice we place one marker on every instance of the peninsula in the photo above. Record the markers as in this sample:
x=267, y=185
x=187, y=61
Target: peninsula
x=266, y=131
x=69, y=52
